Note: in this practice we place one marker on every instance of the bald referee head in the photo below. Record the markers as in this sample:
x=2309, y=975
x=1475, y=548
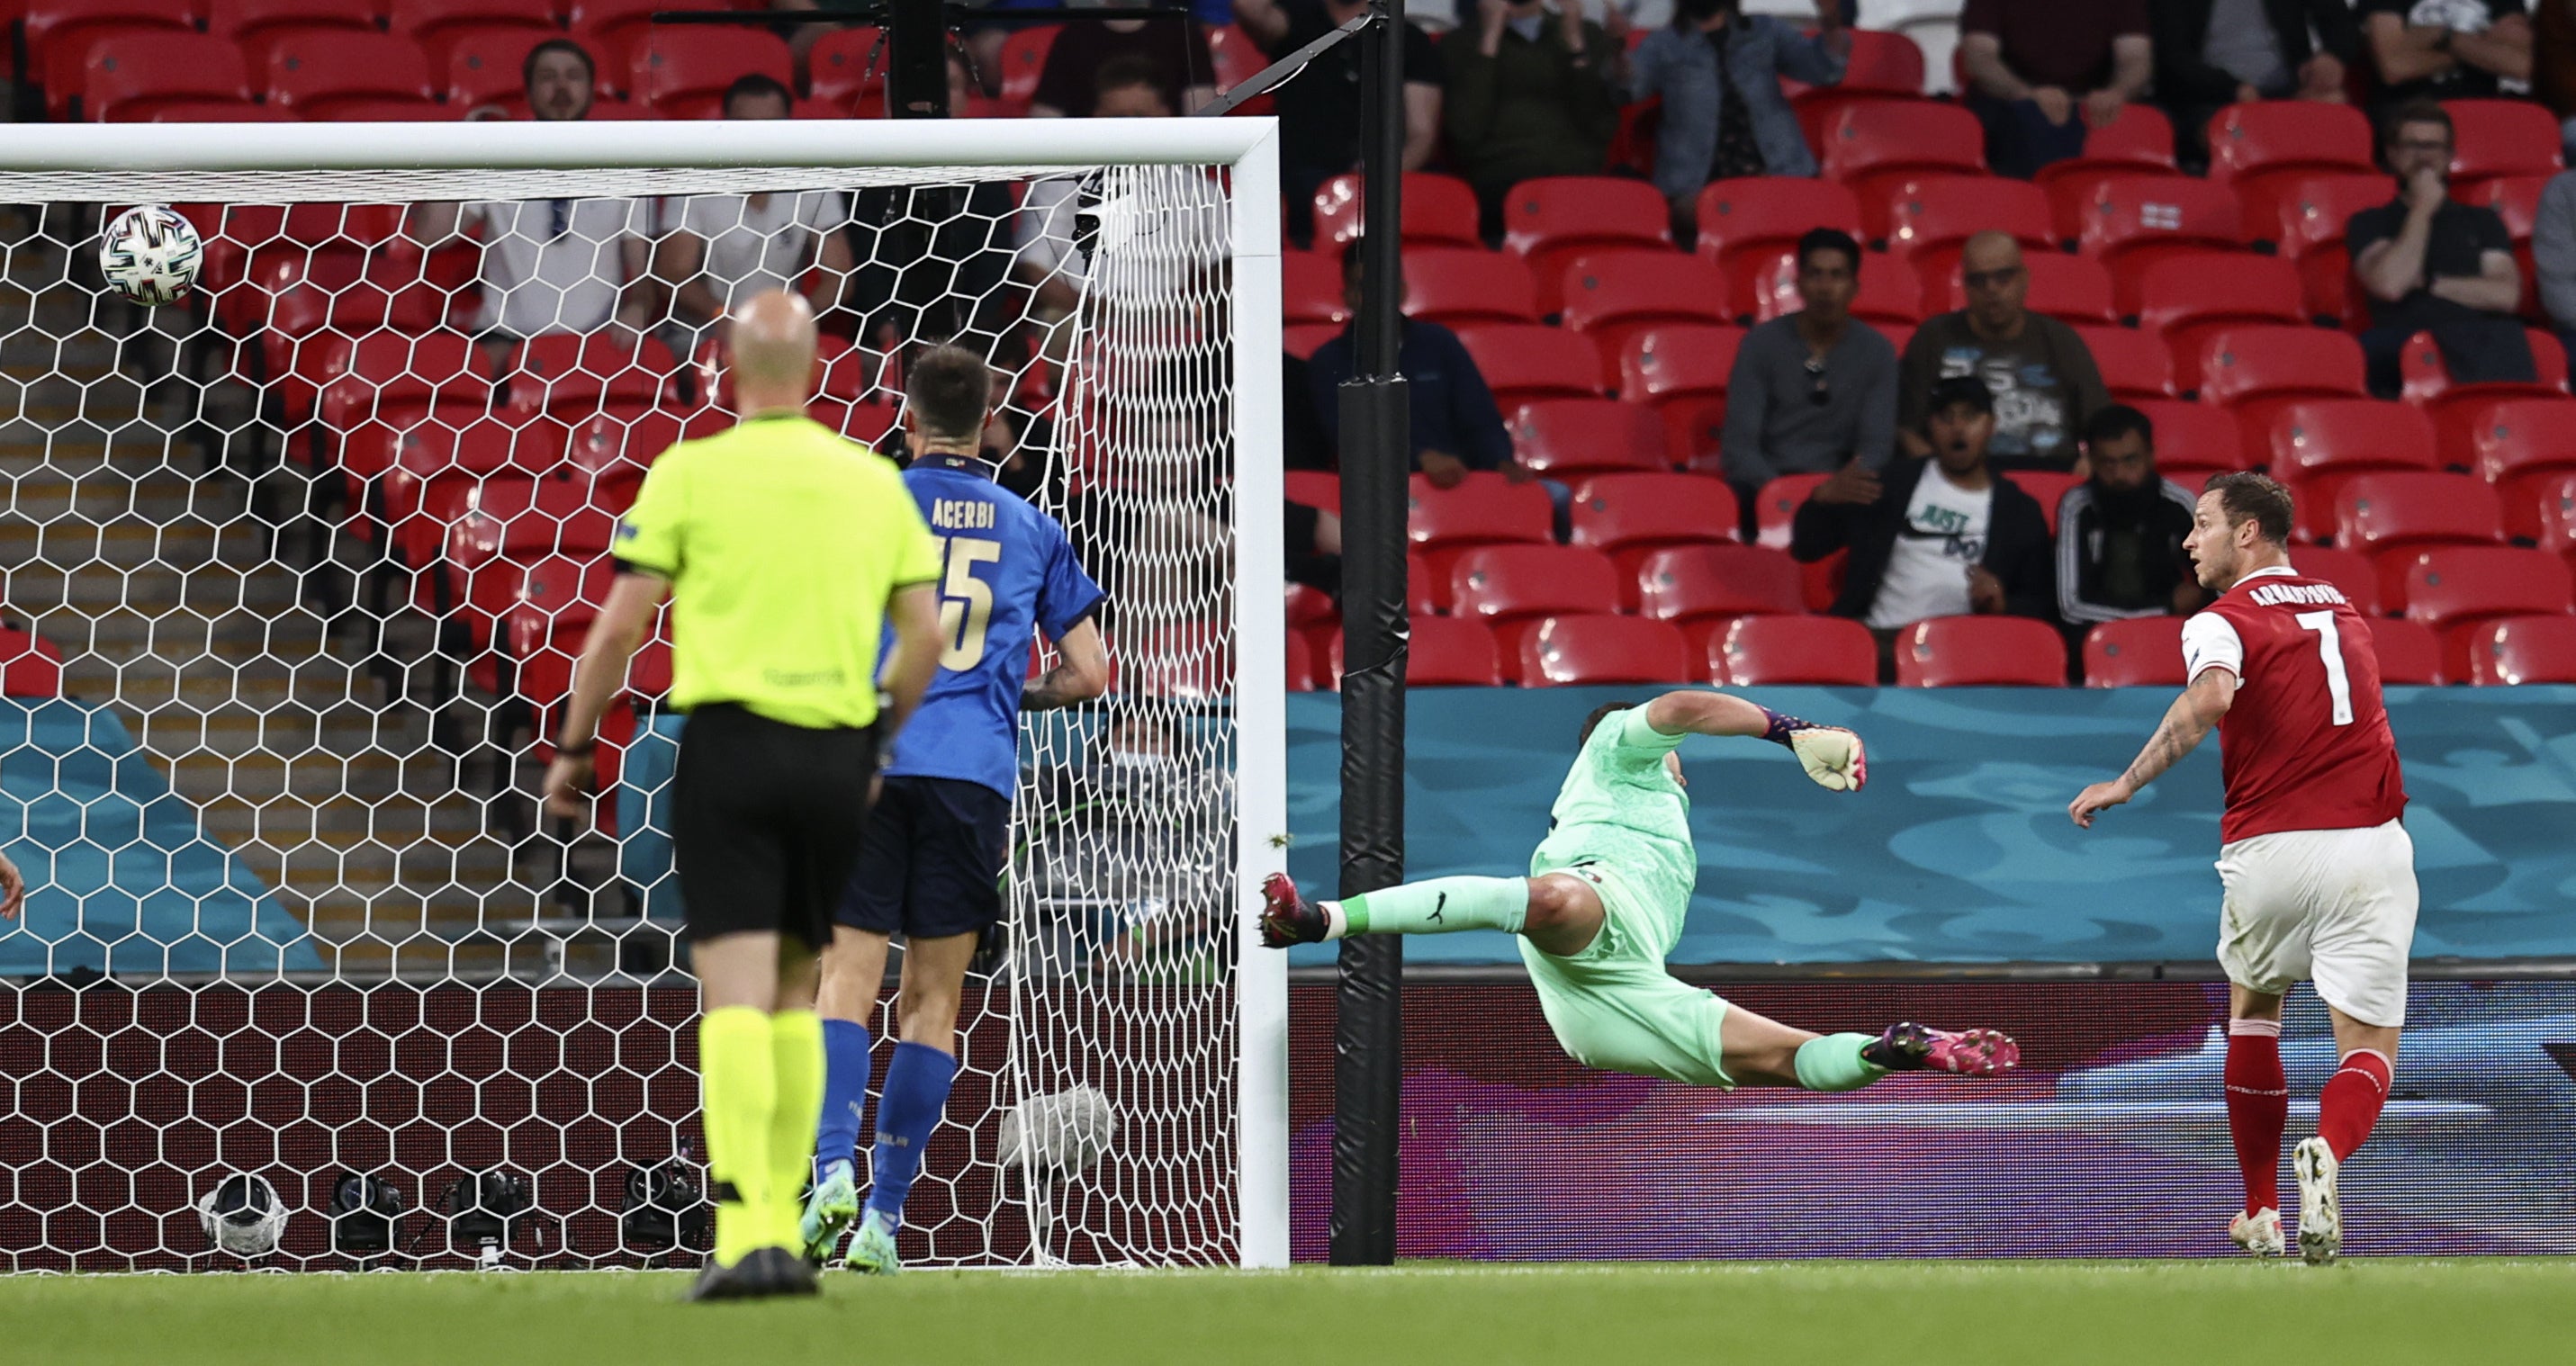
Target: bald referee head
x=785, y=552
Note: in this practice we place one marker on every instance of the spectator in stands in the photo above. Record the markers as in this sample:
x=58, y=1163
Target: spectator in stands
x=2445, y=49
x=1319, y=112
x=554, y=265
x=1174, y=50
x=718, y=250
x=2553, y=62
x=1530, y=95
x=2432, y=264
x=1815, y=390
x=1718, y=72
x=2213, y=53
x=1053, y=258
x=2040, y=72
x=1456, y=427
x=2120, y=533
x=2553, y=255
x=1940, y=537
x=2042, y=374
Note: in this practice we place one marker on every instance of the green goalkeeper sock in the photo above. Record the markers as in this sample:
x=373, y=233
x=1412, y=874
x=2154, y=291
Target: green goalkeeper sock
x=1833, y=1063
x=1440, y=906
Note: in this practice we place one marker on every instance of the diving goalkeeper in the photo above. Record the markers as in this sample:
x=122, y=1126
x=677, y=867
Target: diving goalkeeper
x=1604, y=903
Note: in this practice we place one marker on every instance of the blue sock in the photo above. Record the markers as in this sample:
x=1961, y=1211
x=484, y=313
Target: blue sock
x=916, y=1094
x=845, y=1092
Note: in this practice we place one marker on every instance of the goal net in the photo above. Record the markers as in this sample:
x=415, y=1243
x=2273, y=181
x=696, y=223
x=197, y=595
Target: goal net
x=295, y=572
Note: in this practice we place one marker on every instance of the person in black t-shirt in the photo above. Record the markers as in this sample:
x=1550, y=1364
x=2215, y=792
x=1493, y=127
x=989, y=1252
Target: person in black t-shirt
x=1319, y=108
x=2432, y=264
x=2445, y=49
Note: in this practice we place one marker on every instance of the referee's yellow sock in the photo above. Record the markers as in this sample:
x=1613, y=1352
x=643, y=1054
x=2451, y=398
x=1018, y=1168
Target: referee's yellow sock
x=739, y=1086
x=796, y=1061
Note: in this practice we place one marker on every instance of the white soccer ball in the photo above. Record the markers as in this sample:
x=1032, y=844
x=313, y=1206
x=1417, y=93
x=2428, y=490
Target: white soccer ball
x=150, y=254
x=242, y=1215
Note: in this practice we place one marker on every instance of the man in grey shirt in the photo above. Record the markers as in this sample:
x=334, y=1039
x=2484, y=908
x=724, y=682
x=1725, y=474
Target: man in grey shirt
x=2043, y=377
x=2553, y=255
x=1815, y=390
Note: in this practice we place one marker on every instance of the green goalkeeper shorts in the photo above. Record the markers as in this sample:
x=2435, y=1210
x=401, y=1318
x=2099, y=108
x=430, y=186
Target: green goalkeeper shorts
x=1613, y=1006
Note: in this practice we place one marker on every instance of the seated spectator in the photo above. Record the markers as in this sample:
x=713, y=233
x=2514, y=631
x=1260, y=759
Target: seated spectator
x=1718, y=72
x=2040, y=72
x=2213, y=53
x=2553, y=63
x=1455, y=426
x=1530, y=96
x=2120, y=532
x=2042, y=374
x=1940, y=537
x=1319, y=112
x=1174, y=50
x=719, y=250
x=1174, y=242
x=1815, y=390
x=2445, y=49
x=2553, y=255
x=553, y=265
x=2432, y=264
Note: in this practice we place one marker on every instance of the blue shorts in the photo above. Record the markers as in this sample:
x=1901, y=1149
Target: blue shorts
x=931, y=861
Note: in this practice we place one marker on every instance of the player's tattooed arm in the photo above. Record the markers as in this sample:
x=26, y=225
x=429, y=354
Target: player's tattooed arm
x=1082, y=674
x=2187, y=722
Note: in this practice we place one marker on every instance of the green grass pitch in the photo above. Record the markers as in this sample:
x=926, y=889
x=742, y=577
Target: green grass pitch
x=1831, y=1313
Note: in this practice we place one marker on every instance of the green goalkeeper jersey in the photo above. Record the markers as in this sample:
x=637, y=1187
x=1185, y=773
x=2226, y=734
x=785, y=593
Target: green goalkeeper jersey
x=1620, y=810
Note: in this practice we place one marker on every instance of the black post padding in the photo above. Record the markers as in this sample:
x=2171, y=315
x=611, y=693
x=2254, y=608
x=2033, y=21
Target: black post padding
x=1377, y=456
x=917, y=58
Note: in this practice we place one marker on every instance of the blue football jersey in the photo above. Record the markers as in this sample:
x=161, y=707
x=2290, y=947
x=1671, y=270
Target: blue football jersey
x=1007, y=573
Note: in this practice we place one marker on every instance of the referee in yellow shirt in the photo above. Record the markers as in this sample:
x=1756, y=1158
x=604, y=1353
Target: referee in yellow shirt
x=785, y=551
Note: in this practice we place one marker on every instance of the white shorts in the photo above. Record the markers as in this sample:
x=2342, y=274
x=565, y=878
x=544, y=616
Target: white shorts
x=2334, y=905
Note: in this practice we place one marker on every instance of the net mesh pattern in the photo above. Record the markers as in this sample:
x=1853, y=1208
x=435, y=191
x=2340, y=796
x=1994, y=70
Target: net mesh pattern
x=296, y=571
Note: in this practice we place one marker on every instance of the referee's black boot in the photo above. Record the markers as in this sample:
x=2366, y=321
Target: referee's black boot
x=779, y=1271
x=719, y=1282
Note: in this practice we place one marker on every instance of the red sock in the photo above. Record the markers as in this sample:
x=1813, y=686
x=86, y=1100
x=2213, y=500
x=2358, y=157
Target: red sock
x=2351, y=1101
x=2258, y=1104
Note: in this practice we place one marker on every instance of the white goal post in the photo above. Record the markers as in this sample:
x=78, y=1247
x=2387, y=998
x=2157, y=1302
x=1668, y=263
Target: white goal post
x=287, y=718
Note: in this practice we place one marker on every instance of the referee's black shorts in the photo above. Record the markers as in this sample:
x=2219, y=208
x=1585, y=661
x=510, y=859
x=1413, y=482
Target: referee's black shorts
x=766, y=821
x=930, y=864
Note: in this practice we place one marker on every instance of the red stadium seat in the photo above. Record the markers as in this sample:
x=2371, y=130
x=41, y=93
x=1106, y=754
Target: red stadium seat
x=2523, y=650
x=1760, y=651
x=2135, y=367
x=208, y=111
x=573, y=377
x=2187, y=297
x=1924, y=213
x=57, y=33
x=682, y=73
x=1551, y=220
x=849, y=65
x=2501, y=137
x=2409, y=652
x=1770, y=211
x=2140, y=140
x=2516, y=200
x=1301, y=663
x=2244, y=363
x=1314, y=488
x=1690, y=583
x=2317, y=445
x=1459, y=287
x=438, y=470
x=1525, y=361
x=1023, y=60
x=1881, y=63
x=2281, y=139
x=2452, y=590
x=1775, y=508
x=1960, y=652
x=1443, y=652
x=1313, y=286
x=2404, y=510
x=1614, y=295
x=2557, y=512
x=30, y=665
x=2524, y=446
x=1884, y=138
x=132, y=75
x=1509, y=586
x=310, y=72
x=246, y=20
x=2193, y=435
x=2069, y=288
x=1628, y=515
x=483, y=65
x=1485, y=508
x=1567, y=651
x=1437, y=208
x=1670, y=364
x=1564, y=436
x=2348, y=570
x=2311, y=211
x=1302, y=340
x=2428, y=379
x=398, y=380
x=2132, y=217
x=616, y=445
x=2138, y=653
x=2047, y=488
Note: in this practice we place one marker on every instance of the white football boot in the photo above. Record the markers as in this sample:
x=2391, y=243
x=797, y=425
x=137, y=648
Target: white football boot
x=2258, y=1233
x=2320, y=1204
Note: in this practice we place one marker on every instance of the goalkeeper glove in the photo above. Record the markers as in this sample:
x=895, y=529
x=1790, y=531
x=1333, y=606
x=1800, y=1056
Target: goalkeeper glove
x=1832, y=756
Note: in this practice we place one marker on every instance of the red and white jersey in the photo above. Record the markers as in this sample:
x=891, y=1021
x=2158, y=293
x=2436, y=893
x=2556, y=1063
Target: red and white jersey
x=2306, y=745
